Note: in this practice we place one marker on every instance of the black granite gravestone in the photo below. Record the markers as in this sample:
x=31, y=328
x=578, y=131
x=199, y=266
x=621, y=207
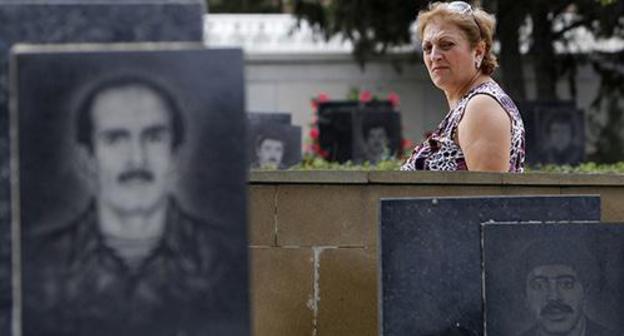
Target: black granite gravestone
x=65, y=21
x=555, y=132
x=359, y=132
x=431, y=260
x=274, y=145
x=563, y=278
x=131, y=181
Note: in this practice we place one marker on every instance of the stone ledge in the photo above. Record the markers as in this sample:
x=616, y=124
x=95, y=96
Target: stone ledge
x=432, y=178
x=429, y=177
x=312, y=176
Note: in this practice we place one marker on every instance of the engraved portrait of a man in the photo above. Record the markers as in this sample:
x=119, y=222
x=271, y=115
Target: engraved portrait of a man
x=134, y=262
x=562, y=138
x=559, y=277
x=269, y=149
x=376, y=141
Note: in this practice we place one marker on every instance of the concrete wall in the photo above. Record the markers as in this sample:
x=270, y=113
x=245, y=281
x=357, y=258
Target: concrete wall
x=313, y=238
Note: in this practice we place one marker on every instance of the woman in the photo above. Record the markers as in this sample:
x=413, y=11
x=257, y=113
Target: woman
x=483, y=130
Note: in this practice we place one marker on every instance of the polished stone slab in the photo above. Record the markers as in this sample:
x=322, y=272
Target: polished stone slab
x=359, y=132
x=555, y=132
x=65, y=21
x=430, y=256
x=131, y=180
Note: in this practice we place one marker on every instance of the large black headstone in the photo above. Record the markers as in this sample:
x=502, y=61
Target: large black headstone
x=431, y=257
x=65, y=21
x=359, y=132
x=131, y=181
x=558, y=278
x=555, y=132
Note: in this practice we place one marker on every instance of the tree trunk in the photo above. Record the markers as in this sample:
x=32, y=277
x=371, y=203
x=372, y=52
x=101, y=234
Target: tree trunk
x=543, y=53
x=510, y=17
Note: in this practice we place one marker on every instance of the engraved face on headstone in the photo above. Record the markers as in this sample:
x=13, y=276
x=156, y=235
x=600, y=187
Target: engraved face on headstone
x=270, y=152
x=273, y=143
x=555, y=297
x=376, y=139
x=559, y=278
x=132, y=149
x=560, y=135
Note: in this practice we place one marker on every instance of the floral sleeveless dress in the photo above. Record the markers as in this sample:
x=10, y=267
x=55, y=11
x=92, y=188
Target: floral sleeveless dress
x=440, y=153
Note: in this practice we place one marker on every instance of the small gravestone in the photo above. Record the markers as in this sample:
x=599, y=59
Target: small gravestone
x=273, y=117
x=554, y=278
x=65, y=21
x=131, y=184
x=359, y=132
x=274, y=145
x=431, y=257
x=555, y=132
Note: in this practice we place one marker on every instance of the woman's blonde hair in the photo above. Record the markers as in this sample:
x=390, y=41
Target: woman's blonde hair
x=476, y=24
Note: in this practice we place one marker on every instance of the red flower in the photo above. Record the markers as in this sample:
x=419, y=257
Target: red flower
x=314, y=133
x=407, y=144
x=321, y=98
x=366, y=96
x=314, y=104
x=394, y=99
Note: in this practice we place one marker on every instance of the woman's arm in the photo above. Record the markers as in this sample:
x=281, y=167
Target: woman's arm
x=484, y=135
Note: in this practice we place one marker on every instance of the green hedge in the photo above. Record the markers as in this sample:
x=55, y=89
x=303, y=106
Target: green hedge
x=315, y=163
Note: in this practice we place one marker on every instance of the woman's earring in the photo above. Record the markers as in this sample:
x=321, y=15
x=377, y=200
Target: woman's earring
x=478, y=63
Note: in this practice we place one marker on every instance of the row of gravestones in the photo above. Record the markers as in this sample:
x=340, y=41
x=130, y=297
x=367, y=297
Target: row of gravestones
x=371, y=132
x=347, y=131
x=500, y=266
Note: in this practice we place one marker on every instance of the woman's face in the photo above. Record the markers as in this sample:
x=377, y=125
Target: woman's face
x=448, y=56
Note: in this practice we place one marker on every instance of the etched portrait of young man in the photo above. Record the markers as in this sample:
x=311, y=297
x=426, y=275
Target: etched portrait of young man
x=135, y=259
x=553, y=279
x=563, y=137
x=558, y=281
x=274, y=145
x=269, y=151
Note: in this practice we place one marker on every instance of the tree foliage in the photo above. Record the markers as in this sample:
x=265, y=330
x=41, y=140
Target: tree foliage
x=374, y=25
